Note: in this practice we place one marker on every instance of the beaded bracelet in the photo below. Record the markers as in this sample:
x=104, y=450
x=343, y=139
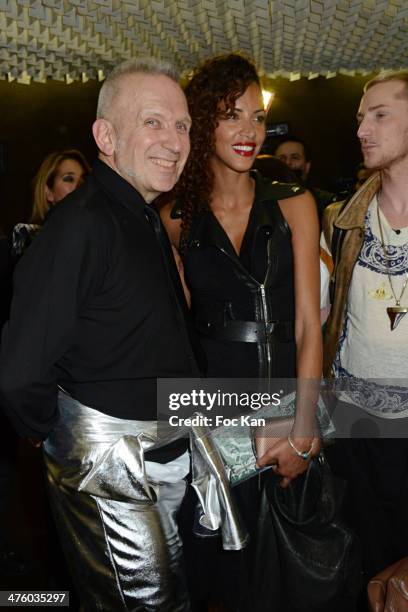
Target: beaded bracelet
x=303, y=454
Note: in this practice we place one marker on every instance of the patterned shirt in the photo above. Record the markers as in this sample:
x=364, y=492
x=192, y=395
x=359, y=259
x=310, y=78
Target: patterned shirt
x=368, y=349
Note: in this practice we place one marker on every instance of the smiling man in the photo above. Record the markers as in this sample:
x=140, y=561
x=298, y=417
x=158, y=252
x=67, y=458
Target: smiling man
x=367, y=329
x=142, y=131
x=98, y=315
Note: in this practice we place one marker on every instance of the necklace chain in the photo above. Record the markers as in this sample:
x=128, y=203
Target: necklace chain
x=397, y=300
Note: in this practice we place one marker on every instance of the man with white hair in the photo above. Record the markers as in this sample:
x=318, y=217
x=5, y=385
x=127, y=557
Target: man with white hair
x=98, y=315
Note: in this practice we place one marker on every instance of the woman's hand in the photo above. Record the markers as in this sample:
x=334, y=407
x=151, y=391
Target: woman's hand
x=284, y=459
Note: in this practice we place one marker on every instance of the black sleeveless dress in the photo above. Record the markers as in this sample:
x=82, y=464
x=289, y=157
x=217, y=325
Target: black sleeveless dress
x=244, y=305
x=244, y=313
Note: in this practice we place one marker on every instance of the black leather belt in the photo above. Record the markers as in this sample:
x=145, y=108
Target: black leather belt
x=248, y=331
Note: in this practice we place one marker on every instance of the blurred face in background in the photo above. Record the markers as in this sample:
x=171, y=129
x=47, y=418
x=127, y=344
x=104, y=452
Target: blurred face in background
x=293, y=155
x=68, y=176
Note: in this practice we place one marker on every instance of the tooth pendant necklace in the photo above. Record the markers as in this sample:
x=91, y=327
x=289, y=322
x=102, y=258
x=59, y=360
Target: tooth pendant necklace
x=397, y=312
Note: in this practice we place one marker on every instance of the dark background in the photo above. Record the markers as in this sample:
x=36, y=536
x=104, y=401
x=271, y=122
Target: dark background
x=35, y=120
x=38, y=118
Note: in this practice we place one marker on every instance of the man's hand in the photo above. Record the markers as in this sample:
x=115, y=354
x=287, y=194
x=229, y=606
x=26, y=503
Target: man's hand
x=285, y=461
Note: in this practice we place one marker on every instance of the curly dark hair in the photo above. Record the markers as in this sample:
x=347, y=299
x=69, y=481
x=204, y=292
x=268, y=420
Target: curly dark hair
x=211, y=93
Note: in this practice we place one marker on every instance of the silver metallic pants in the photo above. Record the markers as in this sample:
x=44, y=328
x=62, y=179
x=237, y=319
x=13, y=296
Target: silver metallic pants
x=116, y=524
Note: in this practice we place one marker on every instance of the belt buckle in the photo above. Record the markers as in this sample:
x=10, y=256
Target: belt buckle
x=269, y=329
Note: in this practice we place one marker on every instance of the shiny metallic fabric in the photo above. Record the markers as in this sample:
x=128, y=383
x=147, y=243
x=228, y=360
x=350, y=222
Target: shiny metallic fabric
x=117, y=522
x=117, y=527
x=210, y=481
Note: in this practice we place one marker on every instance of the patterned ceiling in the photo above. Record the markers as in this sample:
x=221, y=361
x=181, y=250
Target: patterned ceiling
x=82, y=39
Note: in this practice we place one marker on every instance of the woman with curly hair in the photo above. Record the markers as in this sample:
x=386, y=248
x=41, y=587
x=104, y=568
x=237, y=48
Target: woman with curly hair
x=250, y=249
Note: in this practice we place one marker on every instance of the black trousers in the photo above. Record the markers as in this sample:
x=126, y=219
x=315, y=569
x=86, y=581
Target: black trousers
x=227, y=577
x=8, y=460
x=376, y=501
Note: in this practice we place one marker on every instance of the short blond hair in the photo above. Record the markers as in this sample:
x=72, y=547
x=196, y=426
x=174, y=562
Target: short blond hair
x=141, y=65
x=386, y=76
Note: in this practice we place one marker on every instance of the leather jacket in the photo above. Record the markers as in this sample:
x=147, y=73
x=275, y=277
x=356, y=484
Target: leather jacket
x=349, y=218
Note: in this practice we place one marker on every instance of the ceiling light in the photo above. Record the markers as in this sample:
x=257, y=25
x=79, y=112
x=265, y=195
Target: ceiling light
x=267, y=98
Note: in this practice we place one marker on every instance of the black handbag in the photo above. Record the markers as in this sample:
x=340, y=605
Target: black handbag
x=319, y=556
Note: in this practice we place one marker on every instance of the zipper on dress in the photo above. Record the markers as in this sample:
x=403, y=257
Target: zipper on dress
x=261, y=287
x=266, y=321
